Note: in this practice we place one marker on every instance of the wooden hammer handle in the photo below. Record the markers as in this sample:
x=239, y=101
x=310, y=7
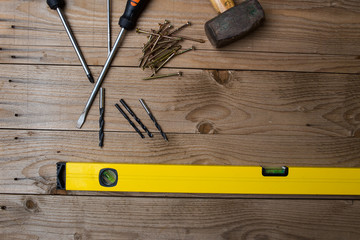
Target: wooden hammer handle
x=222, y=5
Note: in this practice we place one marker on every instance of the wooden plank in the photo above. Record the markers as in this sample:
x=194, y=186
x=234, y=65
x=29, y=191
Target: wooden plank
x=58, y=217
x=201, y=59
x=314, y=26
x=223, y=102
x=28, y=157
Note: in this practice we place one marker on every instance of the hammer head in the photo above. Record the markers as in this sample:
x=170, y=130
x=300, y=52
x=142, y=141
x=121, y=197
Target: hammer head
x=234, y=23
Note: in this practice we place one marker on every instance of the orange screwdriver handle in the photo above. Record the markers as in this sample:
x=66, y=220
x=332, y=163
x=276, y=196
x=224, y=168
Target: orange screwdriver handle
x=131, y=14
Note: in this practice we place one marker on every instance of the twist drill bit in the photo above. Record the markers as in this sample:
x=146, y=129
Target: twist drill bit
x=57, y=5
x=153, y=119
x=101, y=119
x=136, y=118
x=129, y=120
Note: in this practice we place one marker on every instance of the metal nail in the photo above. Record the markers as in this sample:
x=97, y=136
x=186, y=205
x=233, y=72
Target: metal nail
x=191, y=39
x=180, y=28
x=166, y=61
x=186, y=50
x=138, y=30
x=163, y=76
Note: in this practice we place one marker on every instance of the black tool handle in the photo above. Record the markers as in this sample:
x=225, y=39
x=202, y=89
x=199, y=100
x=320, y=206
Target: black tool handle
x=131, y=14
x=54, y=4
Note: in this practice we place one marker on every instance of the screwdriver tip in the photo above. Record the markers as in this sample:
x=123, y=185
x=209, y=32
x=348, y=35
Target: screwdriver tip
x=81, y=120
x=90, y=77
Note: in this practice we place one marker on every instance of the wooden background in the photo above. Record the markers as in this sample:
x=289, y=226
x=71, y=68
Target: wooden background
x=288, y=94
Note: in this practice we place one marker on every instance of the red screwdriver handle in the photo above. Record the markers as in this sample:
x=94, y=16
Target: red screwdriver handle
x=131, y=14
x=54, y=4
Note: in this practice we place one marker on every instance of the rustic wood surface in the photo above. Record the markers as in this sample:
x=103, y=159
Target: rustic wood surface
x=80, y=217
x=287, y=94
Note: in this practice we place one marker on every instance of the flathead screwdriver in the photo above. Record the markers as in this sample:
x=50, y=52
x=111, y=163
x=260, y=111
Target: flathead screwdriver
x=127, y=22
x=57, y=5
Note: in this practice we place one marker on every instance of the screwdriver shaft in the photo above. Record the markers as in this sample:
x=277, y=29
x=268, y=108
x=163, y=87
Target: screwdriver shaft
x=109, y=25
x=75, y=45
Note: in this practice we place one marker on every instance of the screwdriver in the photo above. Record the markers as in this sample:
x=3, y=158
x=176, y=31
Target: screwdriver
x=108, y=10
x=57, y=5
x=127, y=22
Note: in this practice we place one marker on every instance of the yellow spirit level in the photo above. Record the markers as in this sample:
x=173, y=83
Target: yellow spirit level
x=207, y=179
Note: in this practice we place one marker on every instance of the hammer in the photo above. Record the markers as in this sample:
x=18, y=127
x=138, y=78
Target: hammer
x=234, y=22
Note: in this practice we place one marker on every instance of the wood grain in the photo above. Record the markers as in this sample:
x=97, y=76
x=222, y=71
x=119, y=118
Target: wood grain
x=59, y=217
x=28, y=157
x=225, y=102
x=287, y=94
x=198, y=59
x=317, y=26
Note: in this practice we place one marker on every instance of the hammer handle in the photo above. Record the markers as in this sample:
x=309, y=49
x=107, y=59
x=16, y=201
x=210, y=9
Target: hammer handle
x=222, y=5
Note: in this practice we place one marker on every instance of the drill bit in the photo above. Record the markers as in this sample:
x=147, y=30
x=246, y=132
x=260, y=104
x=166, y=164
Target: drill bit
x=129, y=120
x=135, y=117
x=57, y=5
x=101, y=119
x=153, y=119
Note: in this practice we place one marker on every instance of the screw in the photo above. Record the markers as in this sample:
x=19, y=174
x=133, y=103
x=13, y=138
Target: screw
x=165, y=56
x=165, y=30
x=191, y=39
x=163, y=76
x=186, y=50
x=179, y=28
x=166, y=61
x=138, y=30
x=163, y=50
x=148, y=42
x=154, y=45
x=163, y=25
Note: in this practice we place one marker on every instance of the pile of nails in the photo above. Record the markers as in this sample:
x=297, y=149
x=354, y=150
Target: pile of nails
x=162, y=46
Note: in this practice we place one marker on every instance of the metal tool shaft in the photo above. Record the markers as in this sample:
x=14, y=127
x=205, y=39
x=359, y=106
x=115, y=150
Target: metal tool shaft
x=109, y=25
x=101, y=78
x=75, y=45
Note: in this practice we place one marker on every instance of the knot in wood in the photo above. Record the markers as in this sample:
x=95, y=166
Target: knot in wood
x=206, y=128
x=222, y=77
x=31, y=206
